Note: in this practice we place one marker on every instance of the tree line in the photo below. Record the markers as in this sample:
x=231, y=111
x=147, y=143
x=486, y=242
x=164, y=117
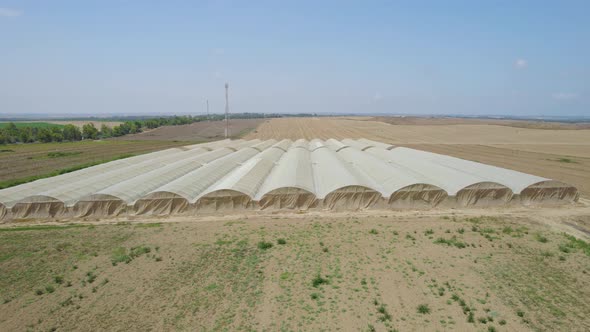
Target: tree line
x=71, y=133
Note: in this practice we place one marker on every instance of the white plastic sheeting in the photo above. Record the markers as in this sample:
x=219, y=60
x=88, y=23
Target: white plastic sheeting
x=290, y=184
x=400, y=188
x=114, y=199
x=347, y=174
x=238, y=188
x=11, y=196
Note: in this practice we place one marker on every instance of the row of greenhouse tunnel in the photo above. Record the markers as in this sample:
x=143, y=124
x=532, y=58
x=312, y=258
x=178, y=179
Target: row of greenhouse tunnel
x=239, y=175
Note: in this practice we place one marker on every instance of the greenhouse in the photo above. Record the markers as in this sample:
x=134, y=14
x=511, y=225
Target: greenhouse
x=238, y=175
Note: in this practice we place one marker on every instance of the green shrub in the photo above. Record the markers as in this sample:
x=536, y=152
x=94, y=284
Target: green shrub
x=318, y=281
x=423, y=309
x=264, y=245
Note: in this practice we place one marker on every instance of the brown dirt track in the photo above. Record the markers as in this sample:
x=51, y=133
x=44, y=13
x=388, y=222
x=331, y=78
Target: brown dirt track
x=553, y=153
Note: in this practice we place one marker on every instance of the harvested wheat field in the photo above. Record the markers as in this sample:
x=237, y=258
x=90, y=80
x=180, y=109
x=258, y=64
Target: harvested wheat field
x=198, y=131
x=559, y=154
x=507, y=270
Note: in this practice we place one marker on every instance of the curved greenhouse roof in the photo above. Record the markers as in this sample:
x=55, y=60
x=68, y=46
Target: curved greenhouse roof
x=332, y=174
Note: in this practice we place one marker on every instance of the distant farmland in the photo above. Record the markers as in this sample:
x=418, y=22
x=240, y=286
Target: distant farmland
x=31, y=124
x=25, y=162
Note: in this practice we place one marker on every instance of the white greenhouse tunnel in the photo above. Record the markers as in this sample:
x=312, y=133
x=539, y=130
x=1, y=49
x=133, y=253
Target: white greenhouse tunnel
x=243, y=175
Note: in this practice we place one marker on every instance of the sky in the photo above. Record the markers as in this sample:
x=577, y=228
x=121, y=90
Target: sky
x=519, y=58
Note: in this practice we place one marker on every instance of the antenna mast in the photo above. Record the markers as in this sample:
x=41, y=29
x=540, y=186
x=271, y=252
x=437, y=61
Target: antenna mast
x=227, y=134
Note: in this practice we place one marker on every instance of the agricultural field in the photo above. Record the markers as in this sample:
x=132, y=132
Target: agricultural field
x=79, y=124
x=32, y=124
x=198, y=131
x=530, y=124
x=60, y=123
x=480, y=270
x=553, y=153
x=24, y=162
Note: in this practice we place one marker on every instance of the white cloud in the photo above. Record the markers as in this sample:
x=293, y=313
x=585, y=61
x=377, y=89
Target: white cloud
x=7, y=12
x=521, y=63
x=564, y=96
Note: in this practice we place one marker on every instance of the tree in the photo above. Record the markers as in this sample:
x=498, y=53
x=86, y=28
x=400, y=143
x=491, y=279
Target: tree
x=44, y=135
x=25, y=135
x=11, y=129
x=133, y=128
x=106, y=131
x=71, y=133
x=89, y=131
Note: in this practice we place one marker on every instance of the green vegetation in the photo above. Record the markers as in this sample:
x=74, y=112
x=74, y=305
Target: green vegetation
x=453, y=241
x=567, y=161
x=576, y=244
x=318, y=281
x=423, y=309
x=539, y=237
x=121, y=255
x=38, y=132
x=264, y=245
x=28, y=132
x=63, y=154
x=29, y=125
x=281, y=241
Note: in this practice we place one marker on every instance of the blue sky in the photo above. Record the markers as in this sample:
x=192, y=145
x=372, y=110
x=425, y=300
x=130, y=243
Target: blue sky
x=417, y=57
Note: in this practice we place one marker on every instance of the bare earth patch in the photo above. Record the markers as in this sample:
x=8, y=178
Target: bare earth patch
x=513, y=270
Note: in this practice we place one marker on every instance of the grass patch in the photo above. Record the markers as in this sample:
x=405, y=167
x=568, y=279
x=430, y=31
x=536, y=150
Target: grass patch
x=40, y=228
x=423, y=309
x=566, y=160
x=121, y=255
x=318, y=281
x=575, y=243
x=60, y=154
x=453, y=241
x=264, y=245
x=539, y=237
x=282, y=241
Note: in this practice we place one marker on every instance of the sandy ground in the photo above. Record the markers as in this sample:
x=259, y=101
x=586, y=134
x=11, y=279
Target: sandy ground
x=469, y=270
x=558, y=154
x=199, y=131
